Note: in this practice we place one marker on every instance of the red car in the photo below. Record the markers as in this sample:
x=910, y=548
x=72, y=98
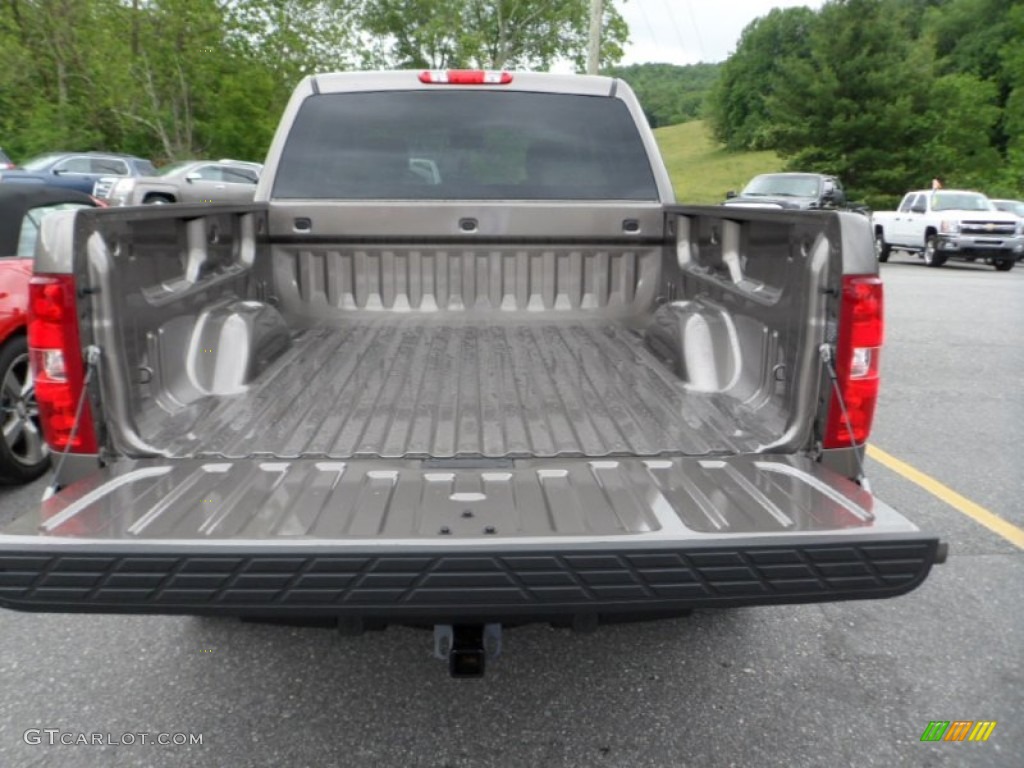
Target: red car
x=23, y=454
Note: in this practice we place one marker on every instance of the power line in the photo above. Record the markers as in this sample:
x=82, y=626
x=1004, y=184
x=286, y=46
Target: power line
x=696, y=29
x=675, y=26
x=672, y=18
x=647, y=23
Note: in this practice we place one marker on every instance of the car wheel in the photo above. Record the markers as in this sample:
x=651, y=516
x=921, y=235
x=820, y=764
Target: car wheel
x=23, y=454
x=1004, y=265
x=157, y=200
x=882, y=248
x=932, y=257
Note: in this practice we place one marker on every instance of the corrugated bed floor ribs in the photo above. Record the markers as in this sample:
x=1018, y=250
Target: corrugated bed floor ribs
x=406, y=386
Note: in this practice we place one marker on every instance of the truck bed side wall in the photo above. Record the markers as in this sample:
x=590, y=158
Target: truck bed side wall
x=191, y=310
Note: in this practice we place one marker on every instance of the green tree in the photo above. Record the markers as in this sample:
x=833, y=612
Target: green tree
x=491, y=34
x=179, y=60
x=213, y=76
x=293, y=38
x=867, y=105
x=668, y=93
x=1011, y=182
x=53, y=71
x=969, y=35
x=964, y=111
x=737, y=105
x=167, y=79
x=984, y=39
x=422, y=33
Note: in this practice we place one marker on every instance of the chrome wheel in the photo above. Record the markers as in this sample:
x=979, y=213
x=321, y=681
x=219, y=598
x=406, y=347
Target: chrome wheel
x=932, y=257
x=882, y=248
x=19, y=414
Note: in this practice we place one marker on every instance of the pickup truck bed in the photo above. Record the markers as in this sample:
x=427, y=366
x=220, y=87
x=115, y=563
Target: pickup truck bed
x=401, y=385
x=346, y=350
x=514, y=432
x=526, y=387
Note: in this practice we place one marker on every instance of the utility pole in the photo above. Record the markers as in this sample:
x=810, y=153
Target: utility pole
x=594, y=51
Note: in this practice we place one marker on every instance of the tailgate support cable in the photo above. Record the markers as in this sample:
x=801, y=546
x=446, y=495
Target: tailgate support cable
x=92, y=359
x=826, y=356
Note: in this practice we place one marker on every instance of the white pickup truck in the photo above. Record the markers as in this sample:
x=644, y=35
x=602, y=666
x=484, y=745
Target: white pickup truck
x=947, y=223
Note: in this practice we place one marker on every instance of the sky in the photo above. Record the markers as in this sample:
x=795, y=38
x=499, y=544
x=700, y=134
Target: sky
x=690, y=31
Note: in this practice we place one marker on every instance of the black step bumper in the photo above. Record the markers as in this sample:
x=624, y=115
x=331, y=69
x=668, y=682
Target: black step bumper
x=457, y=585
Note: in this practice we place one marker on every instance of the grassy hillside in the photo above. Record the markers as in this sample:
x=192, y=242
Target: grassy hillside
x=702, y=170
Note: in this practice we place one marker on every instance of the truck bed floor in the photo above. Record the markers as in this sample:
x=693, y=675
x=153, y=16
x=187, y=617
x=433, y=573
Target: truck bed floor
x=408, y=385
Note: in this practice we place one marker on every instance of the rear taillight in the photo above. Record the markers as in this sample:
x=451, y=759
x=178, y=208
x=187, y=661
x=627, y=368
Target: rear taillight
x=861, y=329
x=464, y=77
x=56, y=355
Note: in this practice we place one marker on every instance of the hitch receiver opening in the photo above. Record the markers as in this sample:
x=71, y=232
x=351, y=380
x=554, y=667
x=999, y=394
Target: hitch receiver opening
x=467, y=647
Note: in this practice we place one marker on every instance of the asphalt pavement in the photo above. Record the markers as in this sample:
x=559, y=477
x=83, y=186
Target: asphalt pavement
x=851, y=683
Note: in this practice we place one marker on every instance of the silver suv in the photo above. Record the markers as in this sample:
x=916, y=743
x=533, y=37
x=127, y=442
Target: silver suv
x=192, y=181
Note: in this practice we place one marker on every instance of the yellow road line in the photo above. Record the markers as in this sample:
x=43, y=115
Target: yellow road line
x=977, y=513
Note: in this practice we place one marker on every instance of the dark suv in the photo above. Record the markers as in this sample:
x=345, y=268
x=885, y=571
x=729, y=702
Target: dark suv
x=790, y=190
x=76, y=170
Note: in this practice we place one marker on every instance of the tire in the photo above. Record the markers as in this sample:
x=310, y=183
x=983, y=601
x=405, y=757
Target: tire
x=882, y=248
x=23, y=454
x=157, y=200
x=1004, y=265
x=931, y=254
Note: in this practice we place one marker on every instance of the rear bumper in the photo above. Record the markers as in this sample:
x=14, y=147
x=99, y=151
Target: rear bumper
x=481, y=585
x=458, y=541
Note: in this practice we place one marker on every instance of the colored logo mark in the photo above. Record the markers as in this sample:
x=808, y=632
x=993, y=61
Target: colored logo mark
x=958, y=730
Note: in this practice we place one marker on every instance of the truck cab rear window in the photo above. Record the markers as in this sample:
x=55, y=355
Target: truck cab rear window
x=464, y=145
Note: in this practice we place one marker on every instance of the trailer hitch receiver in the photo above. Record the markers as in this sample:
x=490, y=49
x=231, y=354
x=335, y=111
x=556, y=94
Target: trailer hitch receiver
x=467, y=647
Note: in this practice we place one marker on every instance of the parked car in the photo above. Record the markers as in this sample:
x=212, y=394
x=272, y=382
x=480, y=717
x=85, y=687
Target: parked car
x=949, y=223
x=797, y=191
x=528, y=391
x=5, y=162
x=1016, y=207
x=76, y=170
x=23, y=454
x=193, y=181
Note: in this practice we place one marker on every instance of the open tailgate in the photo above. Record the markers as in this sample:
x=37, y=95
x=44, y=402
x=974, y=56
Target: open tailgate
x=458, y=540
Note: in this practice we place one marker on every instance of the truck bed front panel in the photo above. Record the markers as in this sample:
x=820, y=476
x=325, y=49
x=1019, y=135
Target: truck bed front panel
x=458, y=539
